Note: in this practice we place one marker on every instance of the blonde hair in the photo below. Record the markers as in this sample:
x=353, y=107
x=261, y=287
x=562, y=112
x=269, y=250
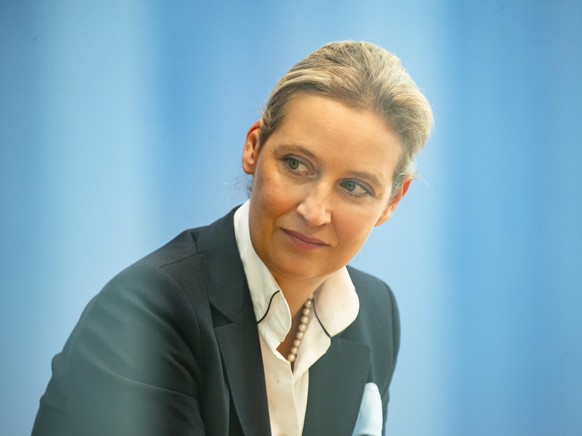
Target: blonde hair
x=361, y=75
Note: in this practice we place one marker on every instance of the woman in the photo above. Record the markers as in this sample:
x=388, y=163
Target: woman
x=254, y=324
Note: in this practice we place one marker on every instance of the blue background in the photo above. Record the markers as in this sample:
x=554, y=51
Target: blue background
x=122, y=123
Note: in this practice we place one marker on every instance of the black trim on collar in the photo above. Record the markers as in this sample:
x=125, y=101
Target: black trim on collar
x=319, y=321
x=269, y=306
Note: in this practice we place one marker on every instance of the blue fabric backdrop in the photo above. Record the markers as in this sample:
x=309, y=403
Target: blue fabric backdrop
x=117, y=118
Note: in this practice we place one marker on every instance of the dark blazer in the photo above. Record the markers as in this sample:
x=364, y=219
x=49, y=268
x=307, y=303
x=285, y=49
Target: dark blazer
x=170, y=347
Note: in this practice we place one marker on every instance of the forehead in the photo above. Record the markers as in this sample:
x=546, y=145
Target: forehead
x=332, y=130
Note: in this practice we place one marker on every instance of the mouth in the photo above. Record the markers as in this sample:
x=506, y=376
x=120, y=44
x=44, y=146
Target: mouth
x=304, y=241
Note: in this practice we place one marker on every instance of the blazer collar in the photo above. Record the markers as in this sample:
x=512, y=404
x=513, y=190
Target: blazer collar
x=237, y=333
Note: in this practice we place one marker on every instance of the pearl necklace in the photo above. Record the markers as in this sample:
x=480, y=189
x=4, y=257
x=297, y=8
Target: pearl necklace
x=301, y=329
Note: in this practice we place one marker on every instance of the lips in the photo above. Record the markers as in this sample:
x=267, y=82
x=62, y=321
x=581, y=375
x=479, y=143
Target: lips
x=304, y=241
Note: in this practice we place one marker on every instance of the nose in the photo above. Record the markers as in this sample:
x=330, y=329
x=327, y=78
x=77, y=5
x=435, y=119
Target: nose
x=314, y=207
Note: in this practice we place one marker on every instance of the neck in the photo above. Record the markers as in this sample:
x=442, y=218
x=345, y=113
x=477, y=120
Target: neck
x=296, y=292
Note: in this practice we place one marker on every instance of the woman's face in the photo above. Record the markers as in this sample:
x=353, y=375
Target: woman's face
x=321, y=182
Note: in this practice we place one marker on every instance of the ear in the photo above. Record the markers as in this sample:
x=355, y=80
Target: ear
x=250, y=154
x=394, y=201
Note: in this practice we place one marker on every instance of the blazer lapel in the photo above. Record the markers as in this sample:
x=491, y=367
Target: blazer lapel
x=336, y=386
x=236, y=327
x=244, y=370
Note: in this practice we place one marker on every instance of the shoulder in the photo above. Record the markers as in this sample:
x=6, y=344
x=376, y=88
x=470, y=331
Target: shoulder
x=171, y=279
x=146, y=338
x=166, y=286
x=148, y=312
x=157, y=282
x=180, y=262
x=157, y=277
x=377, y=324
x=374, y=294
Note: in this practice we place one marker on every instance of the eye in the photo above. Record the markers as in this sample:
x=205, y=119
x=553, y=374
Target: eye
x=292, y=163
x=295, y=165
x=355, y=188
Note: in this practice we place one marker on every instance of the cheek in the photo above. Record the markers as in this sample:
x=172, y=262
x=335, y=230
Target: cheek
x=272, y=192
x=353, y=228
x=260, y=188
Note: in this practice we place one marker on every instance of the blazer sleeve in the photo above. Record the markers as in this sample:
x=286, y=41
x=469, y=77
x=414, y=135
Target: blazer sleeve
x=131, y=365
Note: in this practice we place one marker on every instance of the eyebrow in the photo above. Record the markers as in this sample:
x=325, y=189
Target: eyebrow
x=298, y=148
x=366, y=176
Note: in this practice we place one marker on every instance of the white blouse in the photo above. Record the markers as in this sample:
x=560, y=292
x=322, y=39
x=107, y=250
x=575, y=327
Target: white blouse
x=336, y=305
